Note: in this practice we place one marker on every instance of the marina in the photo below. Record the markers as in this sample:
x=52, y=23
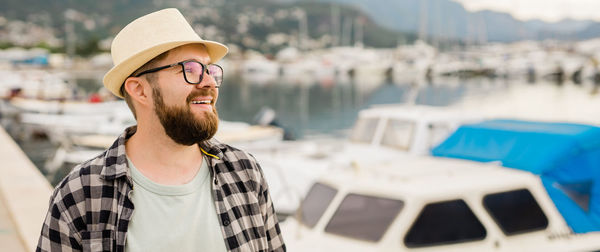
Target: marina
x=475, y=135
x=326, y=123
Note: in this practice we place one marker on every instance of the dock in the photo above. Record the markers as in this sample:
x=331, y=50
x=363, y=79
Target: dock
x=24, y=197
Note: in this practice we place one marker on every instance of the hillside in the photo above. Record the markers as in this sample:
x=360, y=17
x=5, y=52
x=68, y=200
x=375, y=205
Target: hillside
x=449, y=19
x=263, y=25
x=269, y=25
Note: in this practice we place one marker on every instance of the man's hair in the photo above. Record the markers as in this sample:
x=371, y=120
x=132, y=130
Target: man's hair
x=150, y=77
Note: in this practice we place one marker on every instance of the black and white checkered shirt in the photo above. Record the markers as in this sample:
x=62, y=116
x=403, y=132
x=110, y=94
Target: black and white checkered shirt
x=91, y=209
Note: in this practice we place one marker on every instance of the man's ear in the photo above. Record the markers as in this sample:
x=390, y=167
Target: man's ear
x=134, y=86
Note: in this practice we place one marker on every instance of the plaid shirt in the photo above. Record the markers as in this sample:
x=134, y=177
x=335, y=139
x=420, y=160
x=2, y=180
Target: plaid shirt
x=91, y=208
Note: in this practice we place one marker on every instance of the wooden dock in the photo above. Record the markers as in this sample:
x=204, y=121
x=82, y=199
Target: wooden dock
x=24, y=195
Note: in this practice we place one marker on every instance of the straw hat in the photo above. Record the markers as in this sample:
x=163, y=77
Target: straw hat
x=149, y=36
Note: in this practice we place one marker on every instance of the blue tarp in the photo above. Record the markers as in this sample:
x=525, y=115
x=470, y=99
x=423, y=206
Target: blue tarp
x=566, y=157
x=41, y=60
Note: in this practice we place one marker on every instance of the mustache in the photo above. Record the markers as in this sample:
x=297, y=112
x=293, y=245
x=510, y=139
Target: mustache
x=201, y=92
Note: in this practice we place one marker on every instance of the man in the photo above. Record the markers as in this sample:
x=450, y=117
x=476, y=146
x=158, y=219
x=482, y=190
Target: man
x=164, y=185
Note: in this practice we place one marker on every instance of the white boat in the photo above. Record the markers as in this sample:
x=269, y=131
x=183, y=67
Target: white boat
x=393, y=132
x=544, y=197
x=412, y=62
x=408, y=128
x=36, y=83
x=431, y=204
x=66, y=106
x=563, y=155
x=259, y=70
x=83, y=130
x=382, y=133
x=76, y=148
x=60, y=120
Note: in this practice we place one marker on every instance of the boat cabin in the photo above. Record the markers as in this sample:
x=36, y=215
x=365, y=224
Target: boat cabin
x=431, y=204
x=565, y=156
x=411, y=128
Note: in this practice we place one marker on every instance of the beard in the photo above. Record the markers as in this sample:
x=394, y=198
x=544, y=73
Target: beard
x=181, y=124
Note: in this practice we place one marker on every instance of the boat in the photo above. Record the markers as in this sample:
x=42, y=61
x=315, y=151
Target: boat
x=428, y=203
x=61, y=120
x=82, y=130
x=414, y=129
x=565, y=156
x=33, y=105
x=497, y=185
x=381, y=133
x=77, y=148
x=259, y=70
x=36, y=83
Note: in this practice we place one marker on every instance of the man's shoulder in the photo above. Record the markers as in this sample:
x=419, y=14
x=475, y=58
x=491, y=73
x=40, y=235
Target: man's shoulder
x=71, y=189
x=241, y=161
x=227, y=152
x=233, y=154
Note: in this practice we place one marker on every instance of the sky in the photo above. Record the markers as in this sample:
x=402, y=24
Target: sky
x=547, y=10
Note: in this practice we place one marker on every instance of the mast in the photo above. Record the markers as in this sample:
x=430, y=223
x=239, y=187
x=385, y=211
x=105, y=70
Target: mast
x=347, y=32
x=423, y=20
x=303, y=30
x=358, y=31
x=335, y=25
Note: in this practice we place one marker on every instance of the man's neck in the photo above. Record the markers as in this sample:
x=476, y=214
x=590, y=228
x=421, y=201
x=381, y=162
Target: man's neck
x=162, y=160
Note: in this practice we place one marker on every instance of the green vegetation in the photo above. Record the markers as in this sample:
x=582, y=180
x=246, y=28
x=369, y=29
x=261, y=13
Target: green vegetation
x=50, y=48
x=247, y=24
x=4, y=45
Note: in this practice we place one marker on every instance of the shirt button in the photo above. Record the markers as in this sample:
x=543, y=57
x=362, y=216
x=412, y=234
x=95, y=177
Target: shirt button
x=226, y=222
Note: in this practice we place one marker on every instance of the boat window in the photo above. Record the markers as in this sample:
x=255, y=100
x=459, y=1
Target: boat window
x=364, y=130
x=515, y=211
x=364, y=217
x=315, y=203
x=578, y=192
x=398, y=134
x=438, y=132
x=443, y=223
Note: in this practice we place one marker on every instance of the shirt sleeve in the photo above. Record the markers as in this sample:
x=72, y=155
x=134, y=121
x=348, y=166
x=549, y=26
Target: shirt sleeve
x=274, y=236
x=57, y=234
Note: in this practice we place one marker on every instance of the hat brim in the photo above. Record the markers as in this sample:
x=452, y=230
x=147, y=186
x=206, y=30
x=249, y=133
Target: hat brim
x=117, y=75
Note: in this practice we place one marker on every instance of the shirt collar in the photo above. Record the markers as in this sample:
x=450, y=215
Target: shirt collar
x=115, y=165
x=115, y=159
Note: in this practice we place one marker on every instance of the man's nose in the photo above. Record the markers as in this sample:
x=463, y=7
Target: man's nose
x=207, y=82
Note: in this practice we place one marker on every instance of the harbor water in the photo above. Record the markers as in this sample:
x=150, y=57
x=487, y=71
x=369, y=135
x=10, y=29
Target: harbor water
x=314, y=109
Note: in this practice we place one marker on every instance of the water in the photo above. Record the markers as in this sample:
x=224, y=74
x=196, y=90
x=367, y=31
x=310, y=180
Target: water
x=316, y=108
x=325, y=108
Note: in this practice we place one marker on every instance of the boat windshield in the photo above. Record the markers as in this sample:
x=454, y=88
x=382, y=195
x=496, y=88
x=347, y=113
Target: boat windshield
x=444, y=223
x=438, y=132
x=364, y=130
x=364, y=217
x=315, y=203
x=398, y=134
x=516, y=211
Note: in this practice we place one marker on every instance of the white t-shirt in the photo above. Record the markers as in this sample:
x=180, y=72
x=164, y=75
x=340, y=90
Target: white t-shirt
x=173, y=218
